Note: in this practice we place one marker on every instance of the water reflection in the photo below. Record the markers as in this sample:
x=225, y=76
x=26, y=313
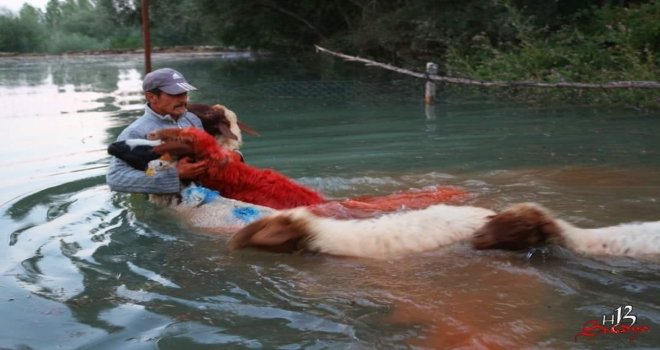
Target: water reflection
x=58, y=115
x=96, y=269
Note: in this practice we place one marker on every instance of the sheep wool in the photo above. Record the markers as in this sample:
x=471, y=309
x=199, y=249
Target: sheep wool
x=387, y=236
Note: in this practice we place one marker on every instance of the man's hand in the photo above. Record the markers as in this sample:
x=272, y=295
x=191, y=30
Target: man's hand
x=189, y=170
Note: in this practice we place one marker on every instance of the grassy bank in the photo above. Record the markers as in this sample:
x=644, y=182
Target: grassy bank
x=606, y=44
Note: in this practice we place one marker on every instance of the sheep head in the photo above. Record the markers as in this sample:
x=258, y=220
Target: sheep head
x=189, y=142
x=519, y=227
x=222, y=123
x=157, y=165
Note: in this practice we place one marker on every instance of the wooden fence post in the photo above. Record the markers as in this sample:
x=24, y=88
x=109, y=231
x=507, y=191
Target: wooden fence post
x=429, y=94
x=146, y=35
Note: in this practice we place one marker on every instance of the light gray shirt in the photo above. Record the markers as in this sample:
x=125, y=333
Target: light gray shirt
x=122, y=177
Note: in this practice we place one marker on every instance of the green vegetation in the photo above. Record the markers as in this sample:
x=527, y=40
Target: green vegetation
x=600, y=45
x=551, y=41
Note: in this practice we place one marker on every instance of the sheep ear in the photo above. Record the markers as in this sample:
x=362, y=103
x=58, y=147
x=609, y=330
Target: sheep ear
x=248, y=130
x=276, y=234
x=175, y=148
x=164, y=134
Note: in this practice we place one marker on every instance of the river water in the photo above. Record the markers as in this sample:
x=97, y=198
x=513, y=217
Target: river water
x=82, y=267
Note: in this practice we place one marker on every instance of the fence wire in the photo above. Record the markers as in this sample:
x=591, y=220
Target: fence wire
x=334, y=89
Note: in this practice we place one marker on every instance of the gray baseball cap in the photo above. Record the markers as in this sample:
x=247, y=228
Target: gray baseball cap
x=167, y=80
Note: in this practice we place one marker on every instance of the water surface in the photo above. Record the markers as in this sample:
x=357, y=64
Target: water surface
x=82, y=267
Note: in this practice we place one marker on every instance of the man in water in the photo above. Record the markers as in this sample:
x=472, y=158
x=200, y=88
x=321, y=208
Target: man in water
x=166, y=91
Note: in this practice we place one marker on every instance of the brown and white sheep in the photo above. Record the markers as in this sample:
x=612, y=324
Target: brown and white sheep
x=527, y=225
x=386, y=236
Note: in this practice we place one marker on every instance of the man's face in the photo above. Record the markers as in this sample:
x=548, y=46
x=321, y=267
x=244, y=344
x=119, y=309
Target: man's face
x=163, y=104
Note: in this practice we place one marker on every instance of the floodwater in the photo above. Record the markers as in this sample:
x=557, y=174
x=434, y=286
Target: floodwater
x=82, y=267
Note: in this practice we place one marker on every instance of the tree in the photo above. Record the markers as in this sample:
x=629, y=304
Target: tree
x=24, y=33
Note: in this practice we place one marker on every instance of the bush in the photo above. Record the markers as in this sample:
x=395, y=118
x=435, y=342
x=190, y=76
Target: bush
x=126, y=38
x=74, y=42
x=607, y=44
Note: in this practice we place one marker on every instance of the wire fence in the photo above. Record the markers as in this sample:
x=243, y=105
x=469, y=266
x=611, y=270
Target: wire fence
x=343, y=90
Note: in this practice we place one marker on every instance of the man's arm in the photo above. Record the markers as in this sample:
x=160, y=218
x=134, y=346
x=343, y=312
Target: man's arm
x=122, y=177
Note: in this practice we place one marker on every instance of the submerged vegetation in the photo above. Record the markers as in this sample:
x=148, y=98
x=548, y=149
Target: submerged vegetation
x=514, y=40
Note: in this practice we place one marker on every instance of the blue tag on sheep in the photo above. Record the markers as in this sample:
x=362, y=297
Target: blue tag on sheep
x=247, y=214
x=198, y=195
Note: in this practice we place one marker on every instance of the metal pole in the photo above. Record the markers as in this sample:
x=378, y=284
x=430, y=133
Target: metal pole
x=146, y=35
